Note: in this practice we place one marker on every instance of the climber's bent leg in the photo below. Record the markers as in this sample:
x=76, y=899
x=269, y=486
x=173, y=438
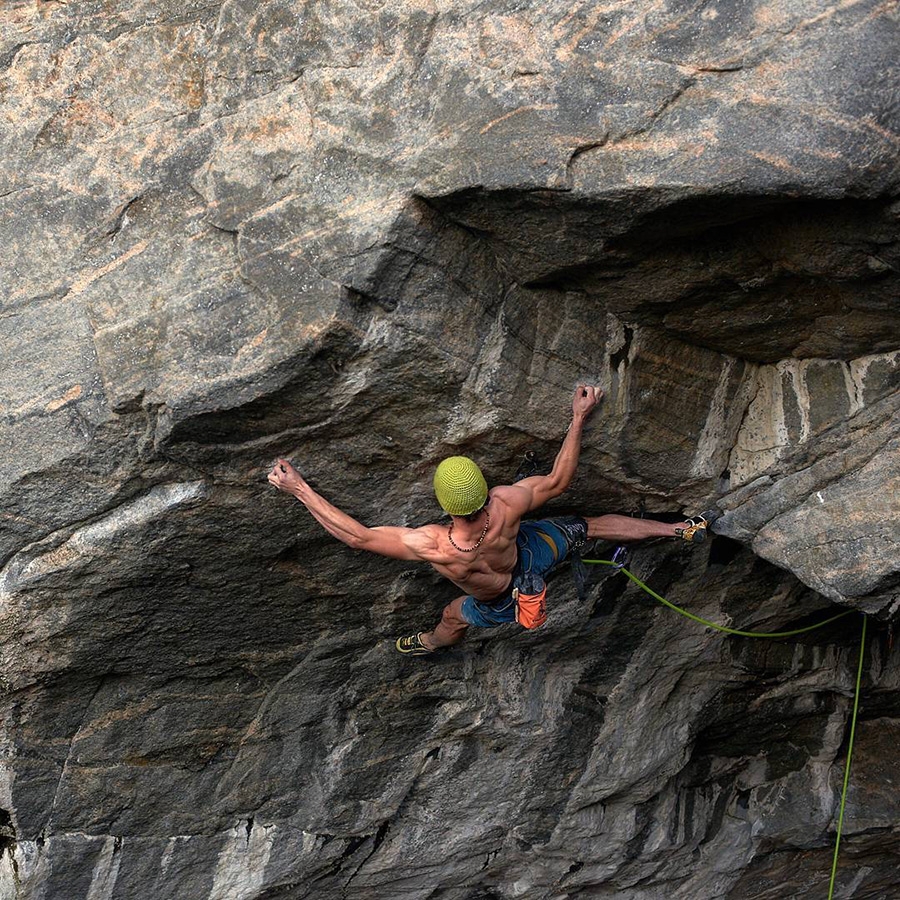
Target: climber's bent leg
x=450, y=630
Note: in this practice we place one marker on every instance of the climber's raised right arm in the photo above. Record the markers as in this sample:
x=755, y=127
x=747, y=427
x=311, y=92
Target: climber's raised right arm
x=536, y=490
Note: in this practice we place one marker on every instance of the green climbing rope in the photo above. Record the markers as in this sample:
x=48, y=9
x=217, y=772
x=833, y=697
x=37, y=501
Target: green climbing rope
x=776, y=634
x=706, y=622
x=840, y=825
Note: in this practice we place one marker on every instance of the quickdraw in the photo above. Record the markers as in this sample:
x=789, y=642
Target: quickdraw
x=528, y=466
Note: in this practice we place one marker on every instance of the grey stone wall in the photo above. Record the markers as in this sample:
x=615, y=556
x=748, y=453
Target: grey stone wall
x=364, y=236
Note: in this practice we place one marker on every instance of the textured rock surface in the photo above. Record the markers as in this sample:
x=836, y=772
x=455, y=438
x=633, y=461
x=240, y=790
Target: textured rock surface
x=365, y=235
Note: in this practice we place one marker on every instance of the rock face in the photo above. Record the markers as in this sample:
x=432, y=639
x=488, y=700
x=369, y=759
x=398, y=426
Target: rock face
x=365, y=236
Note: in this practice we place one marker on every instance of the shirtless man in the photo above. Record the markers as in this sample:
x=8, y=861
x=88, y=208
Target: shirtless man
x=487, y=550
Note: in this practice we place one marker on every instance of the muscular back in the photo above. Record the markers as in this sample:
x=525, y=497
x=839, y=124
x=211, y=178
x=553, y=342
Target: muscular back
x=485, y=572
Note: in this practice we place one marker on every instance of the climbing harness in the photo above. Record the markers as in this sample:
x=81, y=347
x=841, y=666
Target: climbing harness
x=618, y=563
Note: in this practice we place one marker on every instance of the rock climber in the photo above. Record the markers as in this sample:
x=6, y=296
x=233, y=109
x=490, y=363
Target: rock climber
x=488, y=551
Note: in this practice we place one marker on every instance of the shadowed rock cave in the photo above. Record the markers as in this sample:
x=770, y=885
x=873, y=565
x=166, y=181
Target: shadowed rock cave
x=371, y=237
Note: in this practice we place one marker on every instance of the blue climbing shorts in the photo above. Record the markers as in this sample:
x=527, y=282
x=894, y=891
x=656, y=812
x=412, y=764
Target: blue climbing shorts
x=542, y=546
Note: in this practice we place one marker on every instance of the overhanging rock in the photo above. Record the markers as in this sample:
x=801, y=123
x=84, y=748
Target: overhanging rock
x=364, y=236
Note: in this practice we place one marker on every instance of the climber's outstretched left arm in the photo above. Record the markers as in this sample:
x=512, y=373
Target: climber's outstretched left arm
x=396, y=542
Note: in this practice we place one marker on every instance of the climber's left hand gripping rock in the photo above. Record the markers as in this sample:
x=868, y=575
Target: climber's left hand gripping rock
x=286, y=478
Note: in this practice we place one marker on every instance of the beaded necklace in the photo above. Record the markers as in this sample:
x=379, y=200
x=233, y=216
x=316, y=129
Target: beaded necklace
x=477, y=543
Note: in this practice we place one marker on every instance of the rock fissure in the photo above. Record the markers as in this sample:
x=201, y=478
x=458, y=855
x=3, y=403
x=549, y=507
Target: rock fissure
x=48, y=826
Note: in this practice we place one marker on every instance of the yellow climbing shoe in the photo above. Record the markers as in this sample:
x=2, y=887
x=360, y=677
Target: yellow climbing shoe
x=695, y=533
x=412, y=645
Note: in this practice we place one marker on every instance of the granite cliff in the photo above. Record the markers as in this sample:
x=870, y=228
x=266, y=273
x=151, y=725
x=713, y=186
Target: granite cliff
x=365, y=236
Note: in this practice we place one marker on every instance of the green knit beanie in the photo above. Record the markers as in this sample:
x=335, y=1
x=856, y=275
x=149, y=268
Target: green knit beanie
x=459, y=486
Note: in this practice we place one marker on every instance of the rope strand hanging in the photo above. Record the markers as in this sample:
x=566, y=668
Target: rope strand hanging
x=620, y=567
